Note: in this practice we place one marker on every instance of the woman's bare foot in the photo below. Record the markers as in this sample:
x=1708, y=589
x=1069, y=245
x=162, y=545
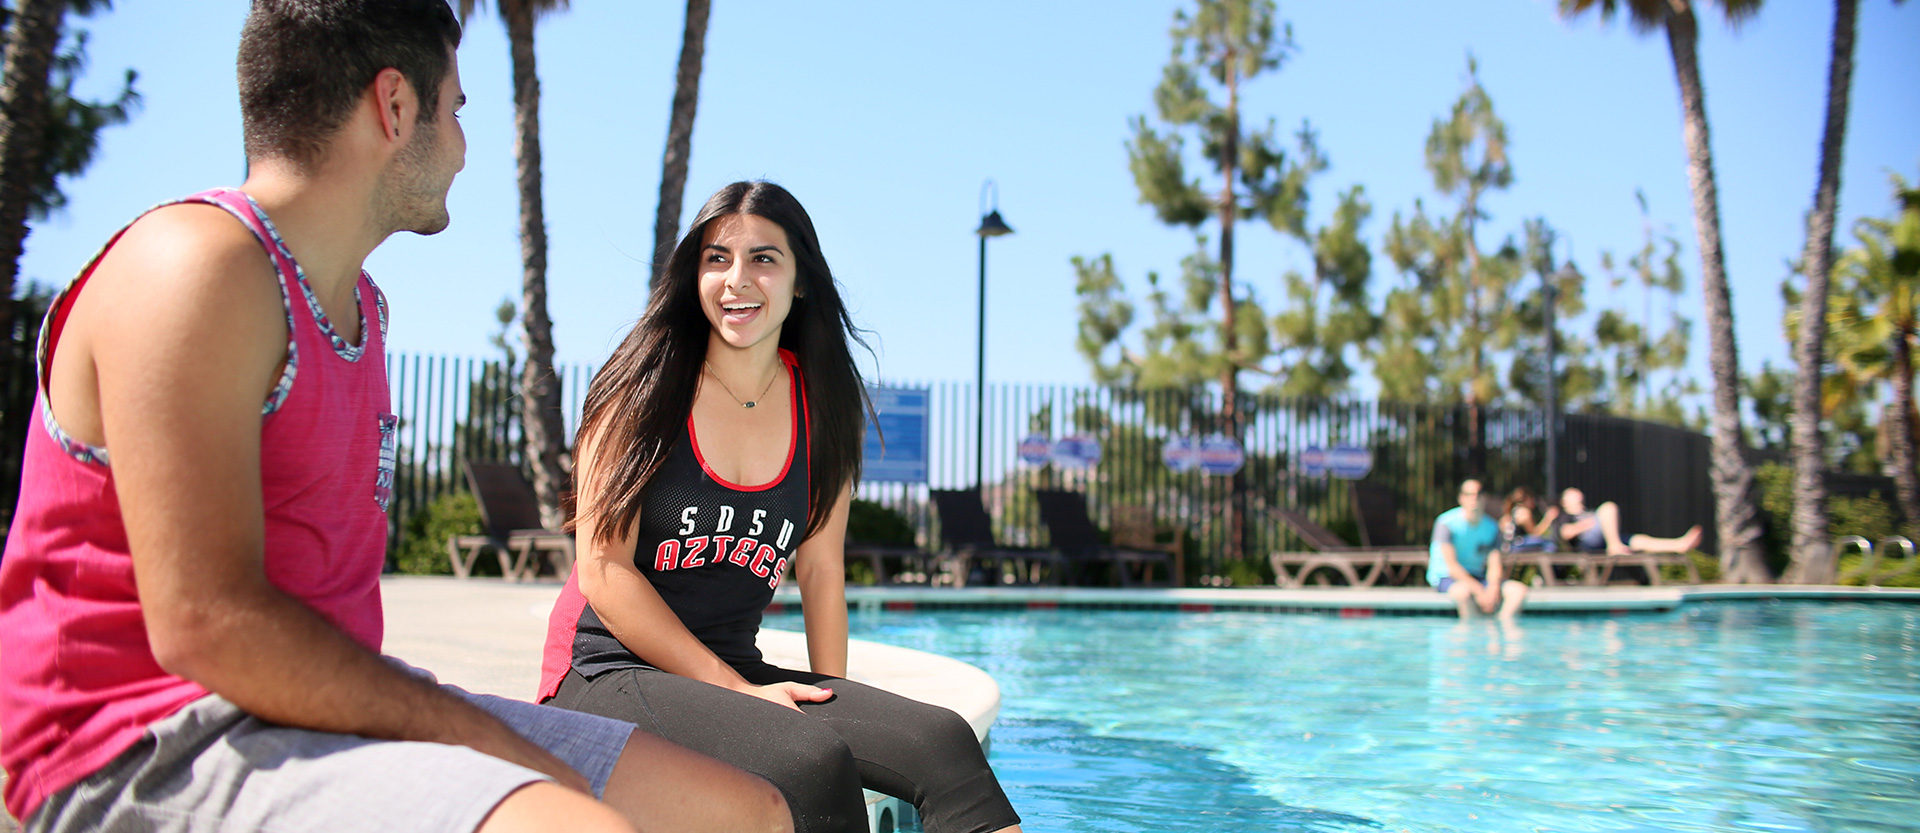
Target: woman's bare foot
x=1691, y=539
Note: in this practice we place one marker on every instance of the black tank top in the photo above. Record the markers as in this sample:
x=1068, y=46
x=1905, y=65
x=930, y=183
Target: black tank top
x=714, y=550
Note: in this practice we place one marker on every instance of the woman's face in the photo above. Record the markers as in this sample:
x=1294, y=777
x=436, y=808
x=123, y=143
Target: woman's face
x=747, y=276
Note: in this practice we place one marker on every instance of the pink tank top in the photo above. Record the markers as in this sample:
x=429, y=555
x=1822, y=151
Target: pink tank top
x=78, y=682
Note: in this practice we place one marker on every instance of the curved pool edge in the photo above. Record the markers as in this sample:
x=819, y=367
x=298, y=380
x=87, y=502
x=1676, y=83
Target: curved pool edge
x=919, y=675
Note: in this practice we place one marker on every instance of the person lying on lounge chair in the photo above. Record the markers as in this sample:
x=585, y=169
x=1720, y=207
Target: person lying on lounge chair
x=1599, y=530
x=1464, y=560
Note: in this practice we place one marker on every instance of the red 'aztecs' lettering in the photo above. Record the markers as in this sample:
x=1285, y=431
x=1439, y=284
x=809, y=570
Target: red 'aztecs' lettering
x=720, y=544
x=761, y=558
x=667, y=554
x=743, y=551
x=695, y=546
x=779, y=570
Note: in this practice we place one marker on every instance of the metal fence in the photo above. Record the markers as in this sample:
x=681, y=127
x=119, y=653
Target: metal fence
x=458, y=408
x=454, y=408
x=1419, y=451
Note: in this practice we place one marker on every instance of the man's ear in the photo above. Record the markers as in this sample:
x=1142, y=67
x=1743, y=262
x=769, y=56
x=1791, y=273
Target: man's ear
x=395, y=102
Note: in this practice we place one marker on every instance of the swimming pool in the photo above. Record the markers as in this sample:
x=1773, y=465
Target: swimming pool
x=1720, y=716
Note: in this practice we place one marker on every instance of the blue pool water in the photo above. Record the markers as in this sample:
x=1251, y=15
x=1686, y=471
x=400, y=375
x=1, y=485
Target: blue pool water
x=1774, y=716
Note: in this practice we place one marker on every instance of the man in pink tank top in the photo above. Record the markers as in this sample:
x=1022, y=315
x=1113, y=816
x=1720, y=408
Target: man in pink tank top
x=190, y=616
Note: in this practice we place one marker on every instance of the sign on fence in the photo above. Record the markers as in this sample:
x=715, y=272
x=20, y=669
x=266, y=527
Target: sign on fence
x=1221, y=455
x=1035, y=449
x=1313, y=461
x=1350, y=462
x=1347, y=462
x=1181, y=453
x=1076, y=452
x=901, y=416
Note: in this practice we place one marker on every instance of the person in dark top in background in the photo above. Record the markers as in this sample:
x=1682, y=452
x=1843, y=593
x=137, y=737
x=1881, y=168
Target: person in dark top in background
x=721, y=444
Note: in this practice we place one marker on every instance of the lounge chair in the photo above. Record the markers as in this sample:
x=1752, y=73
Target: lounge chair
x=1600, y=566
x=1378, y=514
x=1361, y=566
x=1072, y=532
x=510, y=516
x=882, y=539
x=1134, y=529
x=966, y=538
x=907, y=560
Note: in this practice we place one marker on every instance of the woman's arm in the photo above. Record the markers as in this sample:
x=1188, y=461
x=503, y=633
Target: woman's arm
x=1545, y=524
x=821, y=568
x=633, y=611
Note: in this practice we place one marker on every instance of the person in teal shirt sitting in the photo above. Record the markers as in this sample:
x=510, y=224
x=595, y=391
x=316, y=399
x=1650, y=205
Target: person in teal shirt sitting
x=1464, y=559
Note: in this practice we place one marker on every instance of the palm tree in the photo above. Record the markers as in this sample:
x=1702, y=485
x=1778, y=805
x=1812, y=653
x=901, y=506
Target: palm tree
x=541, y=424
x=28, y=108
x=1873, y=319
x=1737, y=513
x=1812, y=552
x=32, y=35
x=686, y=98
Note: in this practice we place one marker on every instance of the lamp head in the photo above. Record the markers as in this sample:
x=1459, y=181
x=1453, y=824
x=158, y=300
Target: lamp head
x=992, y=226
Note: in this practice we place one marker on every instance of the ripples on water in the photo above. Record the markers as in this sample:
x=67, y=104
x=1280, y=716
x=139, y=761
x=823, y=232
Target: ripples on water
x=1779, y=716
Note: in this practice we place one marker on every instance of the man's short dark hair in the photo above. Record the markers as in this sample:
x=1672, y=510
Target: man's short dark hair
x=304, y=64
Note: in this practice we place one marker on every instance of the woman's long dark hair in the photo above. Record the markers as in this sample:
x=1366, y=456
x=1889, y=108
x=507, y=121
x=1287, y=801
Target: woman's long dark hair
x=640, y=400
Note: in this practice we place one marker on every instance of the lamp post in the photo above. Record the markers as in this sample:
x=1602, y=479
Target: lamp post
x=990, y=226
x=1553, y=382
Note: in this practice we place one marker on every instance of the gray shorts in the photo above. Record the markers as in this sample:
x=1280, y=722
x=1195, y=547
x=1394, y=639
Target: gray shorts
x=212, y=767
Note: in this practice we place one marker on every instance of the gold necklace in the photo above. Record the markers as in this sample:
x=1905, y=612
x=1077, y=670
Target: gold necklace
x=744, y=404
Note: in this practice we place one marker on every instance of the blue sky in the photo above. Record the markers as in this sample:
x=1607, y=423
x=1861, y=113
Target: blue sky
x=885, y=119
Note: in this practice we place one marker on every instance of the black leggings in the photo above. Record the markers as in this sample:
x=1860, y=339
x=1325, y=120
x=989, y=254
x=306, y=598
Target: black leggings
x=818, y=759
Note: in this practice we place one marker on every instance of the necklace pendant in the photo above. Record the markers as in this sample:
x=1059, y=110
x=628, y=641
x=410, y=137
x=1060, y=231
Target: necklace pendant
x=746, y=404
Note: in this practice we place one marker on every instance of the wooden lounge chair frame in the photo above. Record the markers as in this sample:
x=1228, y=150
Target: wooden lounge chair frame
x=1378, y=515
x=1599, y=567
x=966, y=537
x=510, y=519
x=1071, y=530
x=1361, y=566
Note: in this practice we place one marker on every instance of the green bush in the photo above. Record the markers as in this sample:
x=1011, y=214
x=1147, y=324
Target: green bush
x=1868, y=517
x=871, y=523
x=423, y=550
x=861, y=573
x=1250, y=572
x=1708, y=566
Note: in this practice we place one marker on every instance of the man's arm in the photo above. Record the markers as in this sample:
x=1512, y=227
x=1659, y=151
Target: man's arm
x=820, y=566
x=184, y=327
x=1573, y=529
x=1444, y=537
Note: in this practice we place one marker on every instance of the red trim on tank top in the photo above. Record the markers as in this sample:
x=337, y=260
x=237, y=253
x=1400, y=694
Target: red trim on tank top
x=793, y=434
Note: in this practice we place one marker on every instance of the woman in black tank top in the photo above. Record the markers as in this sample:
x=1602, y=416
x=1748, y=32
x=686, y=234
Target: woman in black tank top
x=721, y=444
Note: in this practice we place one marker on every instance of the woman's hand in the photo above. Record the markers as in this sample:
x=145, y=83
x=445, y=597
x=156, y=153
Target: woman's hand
x=790, y=694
